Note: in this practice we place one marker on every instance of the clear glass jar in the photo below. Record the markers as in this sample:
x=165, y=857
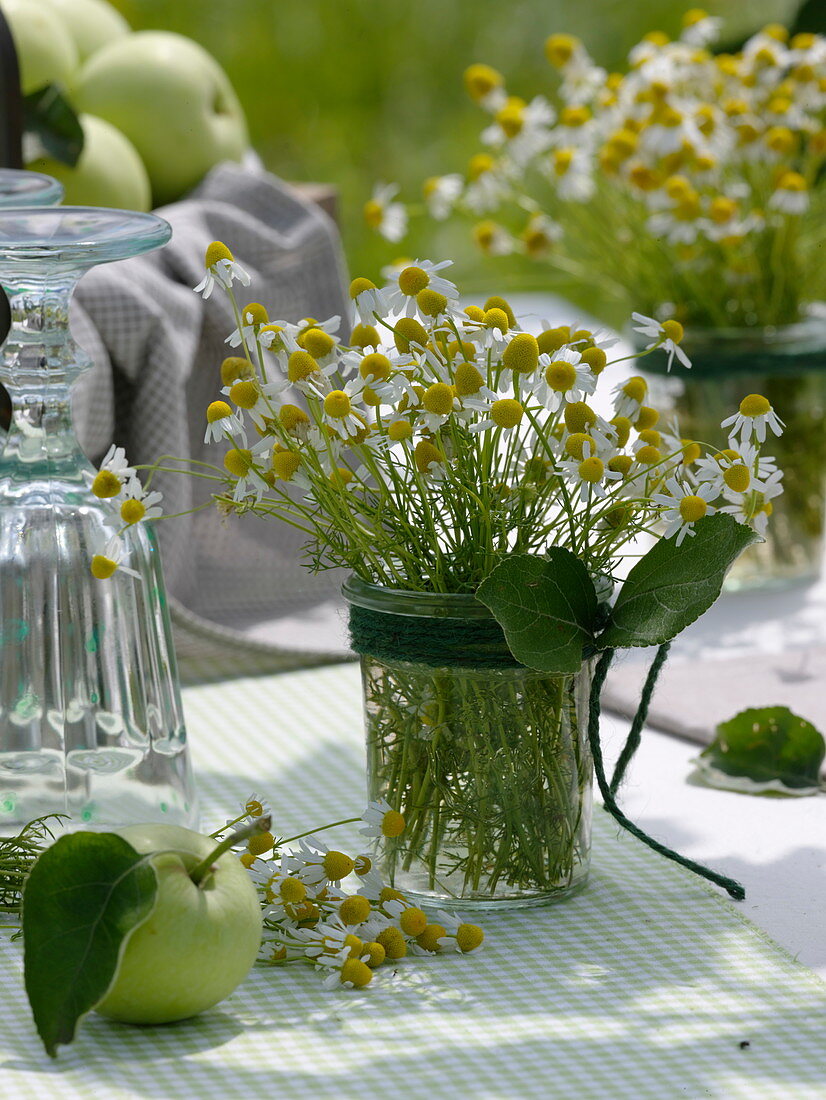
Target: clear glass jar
x=788, y=366
x=488, y=761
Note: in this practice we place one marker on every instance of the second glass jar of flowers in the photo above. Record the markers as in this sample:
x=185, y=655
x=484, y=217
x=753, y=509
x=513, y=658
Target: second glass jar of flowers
x=456, y=465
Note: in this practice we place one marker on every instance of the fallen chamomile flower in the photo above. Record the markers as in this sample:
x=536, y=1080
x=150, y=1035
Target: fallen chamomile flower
x=221, y=270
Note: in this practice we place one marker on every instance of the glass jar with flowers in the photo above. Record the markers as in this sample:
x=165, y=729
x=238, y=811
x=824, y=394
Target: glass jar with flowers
x=455, y=464
x=689, y=186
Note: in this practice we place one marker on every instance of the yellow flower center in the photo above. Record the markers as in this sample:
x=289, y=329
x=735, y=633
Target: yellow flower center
x=475, y=313
x=648, y=455
x=522, y=354
x=636, y=388
x=375, y=954
x=358, y=286
x=260, y=843
x=317, y=342
x=215, y=252
x=575, y=444
x=429, y=939
x=469, y=937
x=737, y=477
x=218, y=410
x=692, y=508
x=132, y=511
x=373, y=213
x=691, y=452
x=506, y=413
x=354, y=910
x=292, y=417
x=364, y=336
x=646, y=418
x=559, y=49
x=244, y=394
x=479, y=164
x=755, y=405
x=578, y=416
x=574, y=116
x=393, y=943
x=300, y=366
x=254, y=313
x=412, y=280
x=673, y=330
x=497, y=302
x=552, y=339
x=560, y=375
x=106, y=484
x=392, y=824
x=425, y=454
x=438, y=399
x=337, y=865
x=337, y=404
x=356, y=972
x=563, y=158
x=431, y=302
x=292, y=890
x=468, y=379
x=620, y=464
x=102, y=567
x=623, y=426
x=375, y=366
x=238, y=461
x=481, y=80
x=591, y=469
x=596, y=359
x=233, y=368
x=791, y=181
x=285, y=464
x=409, y=331
x=341, y=476
x=413, y=921
x=399, y=430
x=651, y=437
x=511, y=117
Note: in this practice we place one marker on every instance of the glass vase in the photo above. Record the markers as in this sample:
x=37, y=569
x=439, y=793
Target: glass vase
x=487, y=761
x=90, y=712
x=788, y=366
x=21, y=188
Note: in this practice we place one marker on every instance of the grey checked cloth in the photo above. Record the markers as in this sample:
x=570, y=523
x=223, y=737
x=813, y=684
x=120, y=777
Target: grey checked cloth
x=157, y=348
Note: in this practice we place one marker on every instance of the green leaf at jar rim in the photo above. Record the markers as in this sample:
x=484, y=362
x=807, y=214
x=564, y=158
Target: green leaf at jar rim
x=671, y=586
x=545, y=605
x=84, y=896
x=768, y=744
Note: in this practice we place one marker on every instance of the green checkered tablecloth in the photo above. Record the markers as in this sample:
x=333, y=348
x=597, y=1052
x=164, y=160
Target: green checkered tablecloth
x=647, y=986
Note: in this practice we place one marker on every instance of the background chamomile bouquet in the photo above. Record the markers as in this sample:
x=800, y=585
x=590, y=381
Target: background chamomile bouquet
x=689, y=185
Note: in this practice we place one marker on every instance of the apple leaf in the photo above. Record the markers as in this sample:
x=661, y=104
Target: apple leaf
x=765, y=749
x=84, y=896
x=672, y=585
x=52, y=127
x=545, y=605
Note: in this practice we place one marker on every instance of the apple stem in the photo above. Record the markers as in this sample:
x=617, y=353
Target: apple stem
x=202, y=870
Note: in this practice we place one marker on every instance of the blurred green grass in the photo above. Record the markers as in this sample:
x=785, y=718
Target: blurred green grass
x=353, y=91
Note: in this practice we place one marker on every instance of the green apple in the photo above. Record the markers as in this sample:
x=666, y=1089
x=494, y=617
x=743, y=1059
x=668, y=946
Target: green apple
x=108, y=173
x=199, y=942
x=91, y=23
x=46, y=51
x=172, y=100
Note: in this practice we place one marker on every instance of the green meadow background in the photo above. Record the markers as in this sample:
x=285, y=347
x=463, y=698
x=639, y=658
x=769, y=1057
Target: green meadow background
x=353, y=91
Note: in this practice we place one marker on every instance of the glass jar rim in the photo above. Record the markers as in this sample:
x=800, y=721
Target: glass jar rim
x=403, y=601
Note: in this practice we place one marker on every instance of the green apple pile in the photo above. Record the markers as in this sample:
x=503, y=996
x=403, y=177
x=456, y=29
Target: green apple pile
x=157, y=111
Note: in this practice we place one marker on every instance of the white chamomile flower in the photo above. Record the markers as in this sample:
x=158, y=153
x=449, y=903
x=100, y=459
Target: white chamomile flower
x=663, y=334
x=385, y=216
x=589, y=475
x=338, y=410
x=441, y=193
x=570, y=170
x=221, y=269
x=420, y=276
x=753, y=417
x=459, y=935
x=368, y=301
x=682, y=505
x=138, y=505
x=115, y=462
x=110, y=559
x=382, y=820
x=791, y=195
x=322, y=866
x=629, y=397
x=222, y=422
x=505, y=413
x=253, y=319
x=564, y=378
x=699, y=28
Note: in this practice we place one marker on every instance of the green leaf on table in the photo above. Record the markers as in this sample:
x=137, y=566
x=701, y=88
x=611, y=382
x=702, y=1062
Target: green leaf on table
x=765, y=749
x=545, y=605
x=52, y=126
x=672, y=585
x=82, y=899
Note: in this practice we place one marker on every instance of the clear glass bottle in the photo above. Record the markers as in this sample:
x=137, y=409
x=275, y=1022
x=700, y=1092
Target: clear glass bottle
x=90, y=713
x=488, y=761
x=788, y=366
